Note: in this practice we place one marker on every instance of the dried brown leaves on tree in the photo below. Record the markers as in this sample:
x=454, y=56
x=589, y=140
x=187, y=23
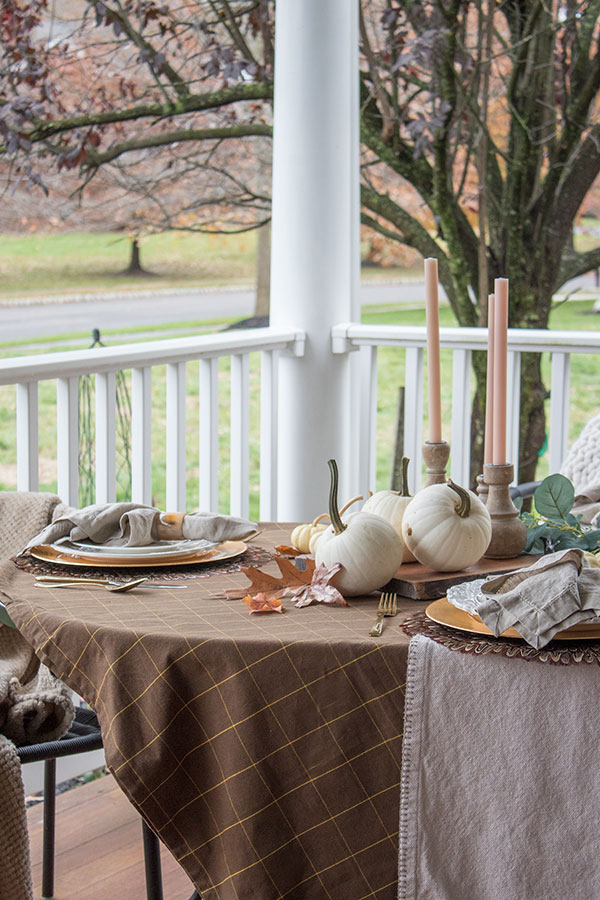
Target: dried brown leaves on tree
x=479, y=124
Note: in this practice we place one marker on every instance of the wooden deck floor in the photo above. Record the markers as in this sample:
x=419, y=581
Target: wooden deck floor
x=99, y=852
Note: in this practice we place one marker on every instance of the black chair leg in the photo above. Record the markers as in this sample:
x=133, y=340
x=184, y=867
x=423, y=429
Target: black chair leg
x=154, y=889
x=48, y=829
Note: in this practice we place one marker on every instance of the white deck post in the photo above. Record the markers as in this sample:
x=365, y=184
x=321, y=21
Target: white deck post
x=313, y=239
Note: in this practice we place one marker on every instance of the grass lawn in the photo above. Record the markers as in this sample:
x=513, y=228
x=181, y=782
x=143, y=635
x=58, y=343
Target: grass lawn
x=59, y=263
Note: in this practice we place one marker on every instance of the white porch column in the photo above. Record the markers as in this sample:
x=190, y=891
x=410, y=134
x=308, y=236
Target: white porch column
x=313, y=238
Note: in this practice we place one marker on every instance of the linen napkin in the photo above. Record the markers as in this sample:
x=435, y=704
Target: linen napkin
x=136, y=525
x=587, y=504
x=559, y=590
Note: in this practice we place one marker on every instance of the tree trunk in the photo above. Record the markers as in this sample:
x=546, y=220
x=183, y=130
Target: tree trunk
x=135, y=264
x=263, y=271
x=479, y=364
x=532, y=429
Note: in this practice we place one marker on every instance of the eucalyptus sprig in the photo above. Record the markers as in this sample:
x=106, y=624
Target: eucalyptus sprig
x=552, y=525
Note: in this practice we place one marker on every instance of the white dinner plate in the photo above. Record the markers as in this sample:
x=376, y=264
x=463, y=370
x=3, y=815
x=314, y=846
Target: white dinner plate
x=212, y=554
x=170, y=549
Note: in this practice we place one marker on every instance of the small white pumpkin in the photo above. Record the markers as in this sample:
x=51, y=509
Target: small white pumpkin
x=446, y=527
x=390, y=505
x=302, y=534
x=367, y=547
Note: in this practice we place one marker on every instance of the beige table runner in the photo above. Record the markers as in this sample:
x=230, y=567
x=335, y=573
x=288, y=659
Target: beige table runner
x=500, y=778
x=263, y=749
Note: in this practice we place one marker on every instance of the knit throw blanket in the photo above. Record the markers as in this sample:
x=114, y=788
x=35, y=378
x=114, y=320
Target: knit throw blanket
x=34, y=705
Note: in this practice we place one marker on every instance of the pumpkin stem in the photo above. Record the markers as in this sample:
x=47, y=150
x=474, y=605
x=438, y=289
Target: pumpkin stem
x=405, y=492
x=463, y=508
x=334, y=515
x=318, y=519
x=350, y=502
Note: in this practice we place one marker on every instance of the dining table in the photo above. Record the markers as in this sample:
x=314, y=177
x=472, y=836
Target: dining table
x=264, y=750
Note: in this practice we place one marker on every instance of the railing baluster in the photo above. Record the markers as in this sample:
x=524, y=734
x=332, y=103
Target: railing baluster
x=367, y=459
x=106, y=467
x=67, y=439
x=208, y=455
x=175, y=464
x=269, y=398
x=27, y=437
x=513, y=395
x=239, y=448
x=559, y=409
x=141, y=435
x=413, y=414
x=460, y=444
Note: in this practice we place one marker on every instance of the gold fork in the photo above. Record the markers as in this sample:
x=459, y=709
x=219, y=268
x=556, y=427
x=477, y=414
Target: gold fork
x=388, y=606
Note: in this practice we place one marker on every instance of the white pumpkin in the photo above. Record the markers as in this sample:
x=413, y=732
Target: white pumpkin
x=316, y=534
x=446, y=527
x=390, y=505
x=302, y=534
x=368, y=548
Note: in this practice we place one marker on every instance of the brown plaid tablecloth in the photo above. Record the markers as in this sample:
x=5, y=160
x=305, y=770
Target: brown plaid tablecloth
x=264, y=750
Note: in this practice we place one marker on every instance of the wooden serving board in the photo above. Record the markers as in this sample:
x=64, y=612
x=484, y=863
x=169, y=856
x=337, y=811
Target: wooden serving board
x=417, y=582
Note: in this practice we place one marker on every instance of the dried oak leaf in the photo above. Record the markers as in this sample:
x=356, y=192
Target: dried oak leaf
x=286, y=550
x=293, y=579
x=319, y=590
x=262, y=603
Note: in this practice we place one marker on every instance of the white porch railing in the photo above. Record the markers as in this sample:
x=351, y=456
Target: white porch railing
x=104, y=362
x=462, y=342
x=28, y=372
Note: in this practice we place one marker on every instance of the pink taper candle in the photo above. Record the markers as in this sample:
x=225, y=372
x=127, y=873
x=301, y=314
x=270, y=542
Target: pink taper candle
x=489, y=395
x=433, y=350
x=500, y=358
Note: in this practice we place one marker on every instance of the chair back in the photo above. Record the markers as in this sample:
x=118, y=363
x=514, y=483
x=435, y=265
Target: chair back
x=22, y=515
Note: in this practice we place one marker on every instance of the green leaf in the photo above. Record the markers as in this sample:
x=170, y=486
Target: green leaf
x=554, y=497
x=565, y=540
x=518, y=502
x=534, y=543
x=591, y=539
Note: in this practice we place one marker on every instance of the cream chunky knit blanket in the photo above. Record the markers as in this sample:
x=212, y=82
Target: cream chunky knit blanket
x=34, y=705
x=582, y=463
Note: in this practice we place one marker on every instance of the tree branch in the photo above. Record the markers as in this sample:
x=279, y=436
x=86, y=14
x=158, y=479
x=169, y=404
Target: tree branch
x=409, y=229
x=576, y=264
x=148, y=52
x=160, y=140
x=43, y=130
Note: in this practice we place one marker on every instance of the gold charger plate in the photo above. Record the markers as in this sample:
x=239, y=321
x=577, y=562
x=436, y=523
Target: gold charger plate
x=444, y=613
x=224, y=550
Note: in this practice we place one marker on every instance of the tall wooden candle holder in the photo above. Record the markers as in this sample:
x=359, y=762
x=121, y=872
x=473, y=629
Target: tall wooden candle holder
x=508, y=531
x=482, y=489
x=436, y=459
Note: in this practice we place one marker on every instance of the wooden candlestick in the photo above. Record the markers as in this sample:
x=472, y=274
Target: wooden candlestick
x=482, y=489
x=508, y=531
x=436, y=459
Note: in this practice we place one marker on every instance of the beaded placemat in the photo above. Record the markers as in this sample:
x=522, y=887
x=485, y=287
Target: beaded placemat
x=556, y=653
x=253, y=556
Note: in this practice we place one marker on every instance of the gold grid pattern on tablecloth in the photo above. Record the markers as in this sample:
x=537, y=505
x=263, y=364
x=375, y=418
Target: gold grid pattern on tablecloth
x=263, y=749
